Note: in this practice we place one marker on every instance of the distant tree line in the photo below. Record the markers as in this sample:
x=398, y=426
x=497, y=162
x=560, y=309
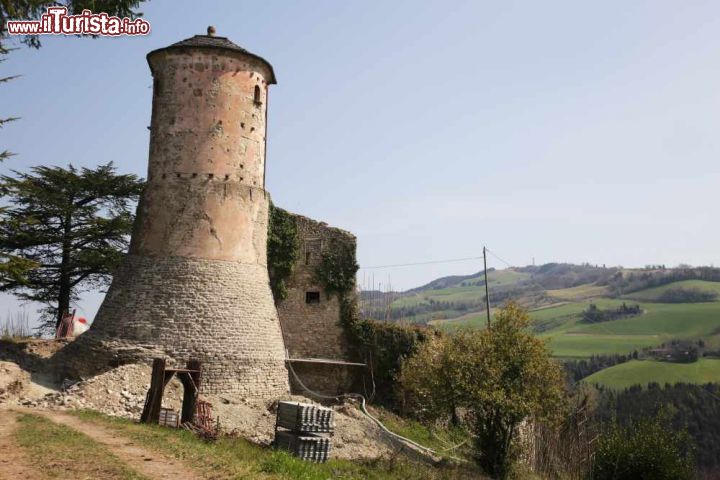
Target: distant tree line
x=578, y=369
x=695, y=408
x=687, y=295
x=594, y=314
x=623, y=283
x=554, y=276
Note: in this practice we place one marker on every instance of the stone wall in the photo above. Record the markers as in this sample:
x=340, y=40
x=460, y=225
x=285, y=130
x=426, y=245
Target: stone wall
x=329, y=378
x=310, y=318
x=181, y=308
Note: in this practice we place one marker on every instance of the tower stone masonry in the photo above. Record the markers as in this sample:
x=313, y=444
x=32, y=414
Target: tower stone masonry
x=195, y=282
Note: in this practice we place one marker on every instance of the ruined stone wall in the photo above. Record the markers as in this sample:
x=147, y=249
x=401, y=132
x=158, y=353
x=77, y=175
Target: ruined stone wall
x=195, y=283
x=330, y=379
x=312, y=329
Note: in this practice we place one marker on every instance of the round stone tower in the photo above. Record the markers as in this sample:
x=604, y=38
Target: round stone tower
x=195, y=282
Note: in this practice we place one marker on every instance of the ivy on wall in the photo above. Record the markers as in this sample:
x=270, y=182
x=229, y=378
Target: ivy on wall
x=282, y=249
x=337, y=268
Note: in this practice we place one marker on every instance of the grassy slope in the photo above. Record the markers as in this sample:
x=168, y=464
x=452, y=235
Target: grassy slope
x=646, y=371
x=568, y=337
x=457, y=293
x=651, y=294
x=659, y=323
x=580, y=292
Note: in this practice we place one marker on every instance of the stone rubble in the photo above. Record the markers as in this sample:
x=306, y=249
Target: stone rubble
x=121, y=393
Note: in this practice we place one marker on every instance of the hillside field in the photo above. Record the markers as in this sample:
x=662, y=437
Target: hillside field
x=643, y=372
x=652, y=294
x=557, y=294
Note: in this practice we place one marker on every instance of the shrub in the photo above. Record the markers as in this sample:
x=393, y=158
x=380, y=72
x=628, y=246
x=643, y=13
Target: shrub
x=499, y=378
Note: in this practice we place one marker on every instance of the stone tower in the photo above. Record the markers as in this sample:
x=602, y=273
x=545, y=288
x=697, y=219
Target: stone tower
x=195, y=282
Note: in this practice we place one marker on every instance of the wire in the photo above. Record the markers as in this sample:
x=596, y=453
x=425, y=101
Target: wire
x=496, y=256
x=430, y=262
x=421, y=263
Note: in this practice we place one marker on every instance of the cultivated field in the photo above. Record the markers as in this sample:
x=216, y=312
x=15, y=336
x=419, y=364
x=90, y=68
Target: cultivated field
x=647, y=371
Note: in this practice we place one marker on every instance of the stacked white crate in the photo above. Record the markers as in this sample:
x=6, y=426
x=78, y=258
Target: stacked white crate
x=306, y=430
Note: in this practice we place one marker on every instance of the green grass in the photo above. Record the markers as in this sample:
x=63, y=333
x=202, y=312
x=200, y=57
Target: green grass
x=236, y=458
x=58, y=451
x=652, y=294
x=659, y=323
x=468, y=321
x=580, y=292
x=569, y=338
x=643, y=372
x=499, y=278
x=438, y=439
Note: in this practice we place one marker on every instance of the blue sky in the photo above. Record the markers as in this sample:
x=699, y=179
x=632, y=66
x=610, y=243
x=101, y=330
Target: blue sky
x=556, y=130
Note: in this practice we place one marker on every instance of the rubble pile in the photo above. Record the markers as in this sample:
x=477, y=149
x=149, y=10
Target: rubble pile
x=121, y=392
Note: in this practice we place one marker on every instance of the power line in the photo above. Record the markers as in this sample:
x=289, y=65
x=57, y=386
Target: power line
x=496, y=256
x=421, y=263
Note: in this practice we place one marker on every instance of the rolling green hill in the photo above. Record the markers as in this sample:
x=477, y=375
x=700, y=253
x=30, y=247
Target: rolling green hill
x=557, y=294
x=653, y=294
x=643, y=372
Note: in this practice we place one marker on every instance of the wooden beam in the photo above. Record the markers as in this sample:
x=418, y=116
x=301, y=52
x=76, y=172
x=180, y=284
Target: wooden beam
x=191, y=381
x=153, y=403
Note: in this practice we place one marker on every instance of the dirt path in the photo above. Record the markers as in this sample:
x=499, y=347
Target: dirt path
x=148, y=463
x=13, y=463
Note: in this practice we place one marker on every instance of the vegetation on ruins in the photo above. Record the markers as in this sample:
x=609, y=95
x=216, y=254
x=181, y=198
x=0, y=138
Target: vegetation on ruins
x=498, y=378
x=383, y=345
x=72, y=226
x=337, y=268
x=282, y=249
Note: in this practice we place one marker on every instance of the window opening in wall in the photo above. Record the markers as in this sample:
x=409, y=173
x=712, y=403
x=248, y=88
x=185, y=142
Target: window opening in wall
x=312, y=297
x=312, y=250
x=257, y=95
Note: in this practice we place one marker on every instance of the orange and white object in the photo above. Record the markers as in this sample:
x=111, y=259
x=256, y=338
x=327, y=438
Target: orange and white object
x=79, y=326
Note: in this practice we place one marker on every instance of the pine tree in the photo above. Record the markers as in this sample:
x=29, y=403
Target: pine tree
x=63, y=231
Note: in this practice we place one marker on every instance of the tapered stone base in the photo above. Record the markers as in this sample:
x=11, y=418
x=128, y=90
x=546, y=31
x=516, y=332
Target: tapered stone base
x=219, y=312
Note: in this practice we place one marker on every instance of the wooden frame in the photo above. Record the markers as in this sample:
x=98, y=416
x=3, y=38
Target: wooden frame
x=161, y=376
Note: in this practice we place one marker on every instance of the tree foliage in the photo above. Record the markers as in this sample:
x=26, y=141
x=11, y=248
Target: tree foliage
x=69, y=226
x=499, y=377
x=5, y=154
x=647, y=449
x=688, y=407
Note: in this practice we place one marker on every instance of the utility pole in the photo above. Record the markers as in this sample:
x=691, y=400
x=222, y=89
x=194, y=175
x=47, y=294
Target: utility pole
x=487, y=290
